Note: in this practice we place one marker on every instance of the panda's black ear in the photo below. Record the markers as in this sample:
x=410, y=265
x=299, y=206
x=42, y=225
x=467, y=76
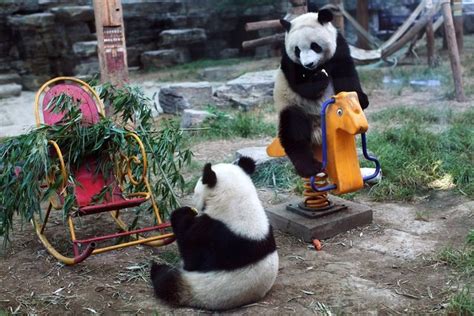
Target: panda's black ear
x=286, y=24
x=325, y=16
x=209, y=176
x=247, y=164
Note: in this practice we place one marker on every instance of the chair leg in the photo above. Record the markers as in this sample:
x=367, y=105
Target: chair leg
x=79, y=257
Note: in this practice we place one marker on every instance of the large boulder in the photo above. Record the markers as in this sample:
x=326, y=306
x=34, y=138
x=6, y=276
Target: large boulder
x=197, y=94
x=163, y=58
x=85, y=49
x=10, y=78
x=171, y=102
x=10, y=90
x=72, y=14
x=32, y=21
x=182, y=37
x=259, y=155
x=249, y=90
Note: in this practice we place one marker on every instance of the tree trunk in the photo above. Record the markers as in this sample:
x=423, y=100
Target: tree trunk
x=362, y=15
x=450, y=35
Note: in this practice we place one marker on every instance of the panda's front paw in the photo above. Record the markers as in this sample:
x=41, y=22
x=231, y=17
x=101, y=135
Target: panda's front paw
x=181, y=214
x=307, y=168
x=321, y=78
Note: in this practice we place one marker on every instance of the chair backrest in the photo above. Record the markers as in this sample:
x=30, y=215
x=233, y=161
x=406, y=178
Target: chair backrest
x=90, y=104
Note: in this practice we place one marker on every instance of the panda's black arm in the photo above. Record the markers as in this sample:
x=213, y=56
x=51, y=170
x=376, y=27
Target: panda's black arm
x=304, y=82
x=181, y=220
x=342, y=70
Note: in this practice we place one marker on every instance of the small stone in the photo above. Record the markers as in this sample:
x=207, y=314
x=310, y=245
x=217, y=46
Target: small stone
x=182, y=36
x=85, y=49
x=163, y=58
x=259, y=155
x=193, y=118
x=10, y=90
x=229, y=53
x=171, y=102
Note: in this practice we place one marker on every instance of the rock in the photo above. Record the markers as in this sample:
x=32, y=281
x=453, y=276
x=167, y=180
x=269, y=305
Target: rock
x=249, y=90
x=10, y=90
x=229, y=53
x=196, y=93
x=171, y=102
x=259, y=155
x=193, y=118
x=163, y=58
x=88, y=67
x=85, y=49
x=220, y=73
x=32, y=21
x=33, y=82
x=71, y=14
x=10, y=78
x=182, y=37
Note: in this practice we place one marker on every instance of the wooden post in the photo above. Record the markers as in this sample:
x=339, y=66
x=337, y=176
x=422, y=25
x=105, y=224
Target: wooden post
x=458, y=24
x=362, y=16
x=111, y=41
x=298, y=7
x=338, y=17
x=430, y=39
x=450, y=35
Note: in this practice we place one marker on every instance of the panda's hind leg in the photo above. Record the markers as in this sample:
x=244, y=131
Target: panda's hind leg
x=295, y=132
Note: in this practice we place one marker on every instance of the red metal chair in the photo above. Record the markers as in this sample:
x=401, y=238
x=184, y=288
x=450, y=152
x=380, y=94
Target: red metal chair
x=91, y=183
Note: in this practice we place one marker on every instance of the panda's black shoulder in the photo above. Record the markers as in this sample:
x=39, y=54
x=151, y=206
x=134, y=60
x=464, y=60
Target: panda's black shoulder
x=342, y=48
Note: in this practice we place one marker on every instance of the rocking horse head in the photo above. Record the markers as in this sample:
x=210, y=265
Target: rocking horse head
x=346, y=114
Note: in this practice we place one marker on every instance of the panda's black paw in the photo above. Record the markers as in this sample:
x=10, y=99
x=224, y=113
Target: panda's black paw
x=321, y=78
x=183, y=212
x=307, y=169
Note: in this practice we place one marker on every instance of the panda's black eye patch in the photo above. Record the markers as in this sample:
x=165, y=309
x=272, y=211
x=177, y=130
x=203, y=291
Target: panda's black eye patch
x=316, y=47
x=297, y=52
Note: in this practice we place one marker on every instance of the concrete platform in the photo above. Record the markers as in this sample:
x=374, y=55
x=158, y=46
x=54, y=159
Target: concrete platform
x=351, y=216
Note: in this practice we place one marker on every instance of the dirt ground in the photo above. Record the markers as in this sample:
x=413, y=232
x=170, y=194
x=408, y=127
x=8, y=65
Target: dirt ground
x=388, y=267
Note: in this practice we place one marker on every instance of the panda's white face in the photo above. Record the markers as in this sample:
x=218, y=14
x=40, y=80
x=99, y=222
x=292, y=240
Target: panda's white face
x=310, y=43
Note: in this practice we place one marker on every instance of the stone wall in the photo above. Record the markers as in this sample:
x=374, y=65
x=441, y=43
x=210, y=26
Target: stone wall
x=40, y=39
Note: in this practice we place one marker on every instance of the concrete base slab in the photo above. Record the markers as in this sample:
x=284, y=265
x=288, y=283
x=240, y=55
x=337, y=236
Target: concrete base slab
x=354, y=215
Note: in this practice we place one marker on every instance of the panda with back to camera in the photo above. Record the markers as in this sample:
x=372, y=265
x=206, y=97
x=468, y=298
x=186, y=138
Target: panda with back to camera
x=228, y=251
x=316, y=64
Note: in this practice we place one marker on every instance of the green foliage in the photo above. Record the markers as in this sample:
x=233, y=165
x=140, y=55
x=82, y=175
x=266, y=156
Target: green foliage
x=412, y=156
x=106, y=141
x=276, y=175
x=242, y=124
x=461, y=259
x=461, y=303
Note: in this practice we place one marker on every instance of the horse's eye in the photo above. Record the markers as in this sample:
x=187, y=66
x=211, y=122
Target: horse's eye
x=339, y=112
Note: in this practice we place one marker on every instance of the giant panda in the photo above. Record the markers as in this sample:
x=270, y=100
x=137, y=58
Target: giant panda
x=228, y=251
x=316, y=64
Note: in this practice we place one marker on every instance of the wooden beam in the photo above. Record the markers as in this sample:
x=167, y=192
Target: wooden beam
x=338, y=21
x=362, y=16
x=450, y=35
x=269, y=24
x=458, y=24
x=430, y=39
x=272, y=39
x=111, y=41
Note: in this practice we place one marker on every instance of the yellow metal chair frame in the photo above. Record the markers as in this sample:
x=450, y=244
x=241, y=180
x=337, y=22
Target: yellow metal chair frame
x=123, y=173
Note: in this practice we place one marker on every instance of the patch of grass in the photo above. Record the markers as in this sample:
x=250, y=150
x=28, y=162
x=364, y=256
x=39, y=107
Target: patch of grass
x=412, y=115
x=276, y=175
x=412, y=157
x=462, y=303
x=240, y=124
x=460, y=259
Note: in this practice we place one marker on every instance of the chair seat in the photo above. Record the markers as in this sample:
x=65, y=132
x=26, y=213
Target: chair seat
x=118, y=203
